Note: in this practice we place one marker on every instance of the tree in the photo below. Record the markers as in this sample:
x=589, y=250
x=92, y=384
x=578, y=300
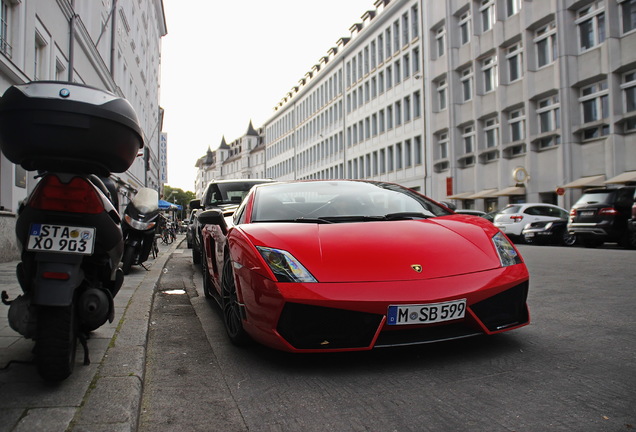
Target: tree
x=178, y=196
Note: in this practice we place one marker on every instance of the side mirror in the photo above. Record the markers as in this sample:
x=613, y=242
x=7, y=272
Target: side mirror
x=450, y=205
x=213, y=217
x=195, y=204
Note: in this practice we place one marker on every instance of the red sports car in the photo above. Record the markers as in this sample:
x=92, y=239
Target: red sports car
x=343, y=265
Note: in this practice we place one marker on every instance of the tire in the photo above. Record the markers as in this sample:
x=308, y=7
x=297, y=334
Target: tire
x=567, y=239
x=56, y=342
x=230, y=305
x=128, y=259
x=207, y=283
x=196, y=255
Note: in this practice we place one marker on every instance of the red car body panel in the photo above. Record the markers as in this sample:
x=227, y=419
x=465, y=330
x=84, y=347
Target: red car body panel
x=364, y=267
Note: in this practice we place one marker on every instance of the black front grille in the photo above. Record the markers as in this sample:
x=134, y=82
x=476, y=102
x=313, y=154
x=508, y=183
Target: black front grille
x=506, y=309
x=317, y=327
x=422, y=335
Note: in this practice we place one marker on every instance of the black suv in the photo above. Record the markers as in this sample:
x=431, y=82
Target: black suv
x=601, y=215
x=220, y=194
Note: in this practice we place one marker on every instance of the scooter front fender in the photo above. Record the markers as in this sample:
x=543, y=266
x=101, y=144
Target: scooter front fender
x=56, y=278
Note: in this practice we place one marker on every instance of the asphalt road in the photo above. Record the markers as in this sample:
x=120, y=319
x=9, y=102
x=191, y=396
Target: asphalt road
x=572, y=369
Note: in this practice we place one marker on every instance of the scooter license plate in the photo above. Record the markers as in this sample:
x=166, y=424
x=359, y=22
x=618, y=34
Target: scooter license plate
x=61, y=238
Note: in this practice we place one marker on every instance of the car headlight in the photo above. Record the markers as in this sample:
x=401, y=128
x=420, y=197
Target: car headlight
x=285, y=267
x=507, y=253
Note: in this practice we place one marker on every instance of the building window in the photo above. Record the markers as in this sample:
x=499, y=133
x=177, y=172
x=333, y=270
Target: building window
x=489, y=70
x=387, y=42
x=408, y=154
x=399, y=164
x=396, y=36
x=440, y=41
x=381, y=120
x=594, y=102
x=389, y=158
x=39, y=64
x=464, y=28
x=397, y=66
x=442, y=91
x=416, y=60
x=516, y=121
x=591, y=25
x=389, y=77
x=374, y=125
x=417, y=144
x=389, y=117
x=398, y=113
x=380, y=48
x=487, y=12
x=466, y=78
x=417, y=109
x=5, y=46
x=415, y=20
x=629, y=90
x=407, y=109
x=628, y=14
x=468, y=139
x=513, y=7
x=406, y=65
x=442, y=145
x=514, y=57
x=549, y=121
x=545, y=42
x=374, y=87
x=491, y=133
x=405, y=28
x=380, y=82
x=374, y=60
x=366, y=60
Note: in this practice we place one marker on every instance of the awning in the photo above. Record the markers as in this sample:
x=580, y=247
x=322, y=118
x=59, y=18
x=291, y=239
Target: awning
x=626, y=177
x=459, y=196
x=589, y=181
x=165, y=205
x=486, y=193
x=513, y=190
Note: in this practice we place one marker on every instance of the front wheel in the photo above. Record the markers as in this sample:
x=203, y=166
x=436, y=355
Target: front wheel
x=231, y=307
x=56, y=342
x=128, y=259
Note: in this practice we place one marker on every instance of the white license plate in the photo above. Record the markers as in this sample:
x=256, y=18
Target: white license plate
x=426, y=313
x=61, y=238
x=587, y=213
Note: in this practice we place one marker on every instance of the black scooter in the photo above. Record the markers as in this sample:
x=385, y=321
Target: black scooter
x=68, y=229
x=140, y=222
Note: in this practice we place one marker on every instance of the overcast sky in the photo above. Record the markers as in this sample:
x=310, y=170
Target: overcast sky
x=225, y=63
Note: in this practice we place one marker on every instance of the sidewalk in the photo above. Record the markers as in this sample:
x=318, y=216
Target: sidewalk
x=103, y=396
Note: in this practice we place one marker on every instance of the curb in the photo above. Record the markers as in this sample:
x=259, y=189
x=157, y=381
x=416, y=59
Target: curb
x=113, y=399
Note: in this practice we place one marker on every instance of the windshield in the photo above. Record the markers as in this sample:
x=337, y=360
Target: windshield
x=600, y=197
x=340, y=201
x=146, y=200
x=228, y=193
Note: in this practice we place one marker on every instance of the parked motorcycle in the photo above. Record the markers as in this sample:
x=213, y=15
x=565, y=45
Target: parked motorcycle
x=68, y=229
x=140, y=223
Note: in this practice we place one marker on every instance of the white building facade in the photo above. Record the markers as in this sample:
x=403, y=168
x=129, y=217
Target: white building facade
x=110, y=44
x=484, y=102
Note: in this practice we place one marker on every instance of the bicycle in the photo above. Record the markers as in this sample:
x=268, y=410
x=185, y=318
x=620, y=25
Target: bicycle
x=166, y=236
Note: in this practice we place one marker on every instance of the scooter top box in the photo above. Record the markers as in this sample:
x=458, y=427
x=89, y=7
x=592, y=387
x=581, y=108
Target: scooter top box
x=61, y=126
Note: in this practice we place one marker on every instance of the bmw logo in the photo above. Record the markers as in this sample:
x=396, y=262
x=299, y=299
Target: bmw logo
x=65, y=93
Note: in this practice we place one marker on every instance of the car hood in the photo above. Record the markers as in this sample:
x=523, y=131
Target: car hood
x=383, y=251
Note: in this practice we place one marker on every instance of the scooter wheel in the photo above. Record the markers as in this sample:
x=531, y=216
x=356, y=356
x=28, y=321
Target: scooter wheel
x=127, y=259
x=56, y=342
